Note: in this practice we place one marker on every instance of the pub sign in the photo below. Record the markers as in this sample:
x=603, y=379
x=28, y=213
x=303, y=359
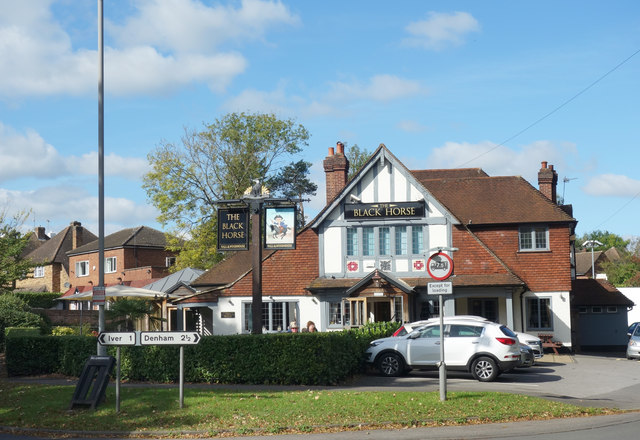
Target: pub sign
x=280, y=228
x=378, y=211
x=233, y=229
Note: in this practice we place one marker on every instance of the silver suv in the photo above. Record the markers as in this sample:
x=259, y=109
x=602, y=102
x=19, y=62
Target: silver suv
x=483, y=348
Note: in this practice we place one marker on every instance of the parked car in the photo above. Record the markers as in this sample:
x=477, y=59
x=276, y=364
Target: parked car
x=527, y=358
x=481, y=347
x=524, y=338
x=633, y=346
x=631, y=328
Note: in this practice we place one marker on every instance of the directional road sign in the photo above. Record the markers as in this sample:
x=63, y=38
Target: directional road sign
x=117, y=338
x=169, y=338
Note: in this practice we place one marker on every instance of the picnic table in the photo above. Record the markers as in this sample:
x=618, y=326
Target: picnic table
x=548, y=342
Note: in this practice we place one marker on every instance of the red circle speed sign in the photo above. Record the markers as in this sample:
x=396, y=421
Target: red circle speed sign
x=440, y=266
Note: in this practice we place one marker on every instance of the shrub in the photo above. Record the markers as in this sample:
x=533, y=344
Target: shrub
x=14, y=312
x=39, y=300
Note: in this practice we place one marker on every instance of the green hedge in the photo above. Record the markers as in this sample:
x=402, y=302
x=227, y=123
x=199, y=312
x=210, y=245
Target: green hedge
x=39, y=300
x=283, y=358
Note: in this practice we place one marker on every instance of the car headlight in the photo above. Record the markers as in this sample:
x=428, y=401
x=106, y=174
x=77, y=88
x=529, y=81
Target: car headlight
x=374, y=343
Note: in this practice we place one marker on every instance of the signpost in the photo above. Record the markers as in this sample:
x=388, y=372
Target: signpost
x=440, y=267
x=149, y=338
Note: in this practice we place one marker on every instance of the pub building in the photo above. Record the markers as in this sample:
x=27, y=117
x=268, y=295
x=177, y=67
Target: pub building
x=364, y=257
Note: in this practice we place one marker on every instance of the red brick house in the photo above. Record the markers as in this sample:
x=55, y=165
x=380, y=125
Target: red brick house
x=134, y=256
x=363, y=258
x=51, y=273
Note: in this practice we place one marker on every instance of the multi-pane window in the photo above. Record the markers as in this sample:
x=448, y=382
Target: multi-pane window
x=401, y=240
x=533, y=238
x=368, y=241
x=352, y=241
x=82, y=268
x=384, y=239
x=416, y=240
x=539, y=314
x=339, y=313
x=110, y=265
x=276, y=316
x=38, y=272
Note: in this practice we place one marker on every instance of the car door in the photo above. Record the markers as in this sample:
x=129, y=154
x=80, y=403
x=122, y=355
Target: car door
x=461, y=342
x=424, y=348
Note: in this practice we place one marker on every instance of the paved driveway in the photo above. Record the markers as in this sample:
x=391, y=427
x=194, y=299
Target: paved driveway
x=588, y=380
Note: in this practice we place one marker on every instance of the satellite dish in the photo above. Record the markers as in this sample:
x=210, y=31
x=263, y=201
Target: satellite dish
x=67, y=285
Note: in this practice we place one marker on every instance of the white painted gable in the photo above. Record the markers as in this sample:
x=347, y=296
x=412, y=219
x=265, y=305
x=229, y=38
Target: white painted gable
x=353, y=248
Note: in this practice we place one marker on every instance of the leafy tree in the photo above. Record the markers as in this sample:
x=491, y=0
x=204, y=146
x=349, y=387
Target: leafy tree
x=608, y=240
x=626, y=271
x=14, y=312
x=218, y=163
x=292, y=181
x=124, y=312
x=12, y=244
x=357, y=159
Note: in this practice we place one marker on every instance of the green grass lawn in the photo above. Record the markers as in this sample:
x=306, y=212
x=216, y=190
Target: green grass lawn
x=216, y=412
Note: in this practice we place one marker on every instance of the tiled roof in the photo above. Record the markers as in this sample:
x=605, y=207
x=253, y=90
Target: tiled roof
x=494, y=200
x=453, y=173
x=54, y=250
x=590, y=292
x=169, y=283
x=227, y=271
x=141, y=236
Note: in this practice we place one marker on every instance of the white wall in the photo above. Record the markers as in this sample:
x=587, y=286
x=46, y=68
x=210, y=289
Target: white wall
x=633, y=293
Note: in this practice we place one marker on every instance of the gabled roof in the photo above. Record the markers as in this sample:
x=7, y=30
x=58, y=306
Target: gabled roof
x=55, y=249
x=176, y=280
x=494, y=200
x=583, y=260
x=378, y=274
x=140, y=237
x=590, y=292
x=381, y=155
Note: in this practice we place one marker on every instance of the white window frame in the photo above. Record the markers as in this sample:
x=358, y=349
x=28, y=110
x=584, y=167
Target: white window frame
x=540, y=300
x=531, y=231
x=108, y=267
x=612, y=309
x=82, y=268
x=38, y=272
x=169, y=261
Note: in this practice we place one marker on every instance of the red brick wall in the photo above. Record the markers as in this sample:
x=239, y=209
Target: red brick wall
x=286, y=272
x=542, y=271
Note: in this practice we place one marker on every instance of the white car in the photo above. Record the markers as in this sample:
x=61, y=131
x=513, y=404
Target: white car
x=524, y=338
x=481, y=347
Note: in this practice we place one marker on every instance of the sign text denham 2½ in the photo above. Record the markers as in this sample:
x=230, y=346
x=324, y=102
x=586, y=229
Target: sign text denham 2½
x=373, y=211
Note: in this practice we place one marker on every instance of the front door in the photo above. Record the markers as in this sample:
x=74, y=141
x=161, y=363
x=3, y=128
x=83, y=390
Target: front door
x=381, y=311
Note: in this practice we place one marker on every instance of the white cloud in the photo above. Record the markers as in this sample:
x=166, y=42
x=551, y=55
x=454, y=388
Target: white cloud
x=440, y=30
x=615, y=185
x=500, y=160
x=29, y=156
x=56, y=206
x=383, y=88
x=166, y=45
x=252, y=100
x=188, y=26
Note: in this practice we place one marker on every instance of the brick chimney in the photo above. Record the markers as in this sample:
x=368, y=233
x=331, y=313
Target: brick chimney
x=548, y=181
x=41, y=234
x=76, y=234
x=336, y=169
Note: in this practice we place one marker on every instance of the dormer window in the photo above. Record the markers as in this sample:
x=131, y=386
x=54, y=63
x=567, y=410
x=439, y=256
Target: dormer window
x=533, y=238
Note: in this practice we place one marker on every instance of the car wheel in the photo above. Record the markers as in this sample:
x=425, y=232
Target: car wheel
x=390, y=364
x=484, y=369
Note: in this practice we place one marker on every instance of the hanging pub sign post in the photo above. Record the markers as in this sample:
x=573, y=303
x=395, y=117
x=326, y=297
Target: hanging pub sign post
x=440, y=267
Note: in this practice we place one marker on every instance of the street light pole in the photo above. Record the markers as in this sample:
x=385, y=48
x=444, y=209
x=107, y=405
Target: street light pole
x=591, y=244
x=102, y=350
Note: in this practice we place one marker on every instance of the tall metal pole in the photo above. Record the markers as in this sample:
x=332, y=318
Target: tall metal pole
x=102, y=350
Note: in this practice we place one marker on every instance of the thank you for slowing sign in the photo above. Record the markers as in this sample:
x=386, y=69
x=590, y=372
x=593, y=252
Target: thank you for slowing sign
x=233, y=232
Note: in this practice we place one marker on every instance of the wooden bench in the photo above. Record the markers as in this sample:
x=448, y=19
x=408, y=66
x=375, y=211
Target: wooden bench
x=548, y=342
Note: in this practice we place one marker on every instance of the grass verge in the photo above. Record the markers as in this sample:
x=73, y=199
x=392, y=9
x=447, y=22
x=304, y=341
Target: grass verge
x=210, y=413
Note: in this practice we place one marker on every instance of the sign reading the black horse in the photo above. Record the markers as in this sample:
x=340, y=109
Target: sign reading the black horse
x=280, y=228
x=377, y=211
x=233, y=229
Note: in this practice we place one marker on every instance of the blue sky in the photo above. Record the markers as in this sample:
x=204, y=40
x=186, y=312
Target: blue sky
x=499, y=85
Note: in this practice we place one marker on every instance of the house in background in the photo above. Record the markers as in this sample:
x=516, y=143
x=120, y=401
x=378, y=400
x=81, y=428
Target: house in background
x=363, y=258
x=51, y=273
x=584, y=265
x=134, y=257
